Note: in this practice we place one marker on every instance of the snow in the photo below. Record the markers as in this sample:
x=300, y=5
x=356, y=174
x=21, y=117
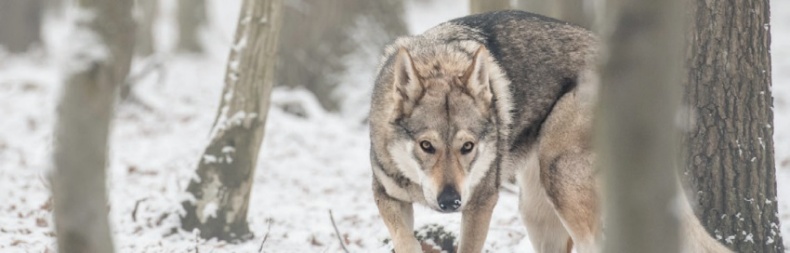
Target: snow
x=209, y=210
x=81, y=47
x=311, y=161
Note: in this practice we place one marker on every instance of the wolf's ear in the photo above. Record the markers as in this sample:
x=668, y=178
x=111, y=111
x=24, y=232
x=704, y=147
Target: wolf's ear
x=407, y=85
x=477, y=80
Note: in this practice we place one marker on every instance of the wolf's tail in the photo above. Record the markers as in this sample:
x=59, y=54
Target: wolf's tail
x=695, y=238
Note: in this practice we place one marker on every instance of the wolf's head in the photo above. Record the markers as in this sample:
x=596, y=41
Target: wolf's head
x=446, y=122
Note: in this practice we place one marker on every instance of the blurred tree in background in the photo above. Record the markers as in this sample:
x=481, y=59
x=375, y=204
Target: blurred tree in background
x=21, y=24
x=636, y=138
x=100, y=56
x=318, y=35
x=481, y=6
x=567, y=10
x=191, y=18
x=146, y=13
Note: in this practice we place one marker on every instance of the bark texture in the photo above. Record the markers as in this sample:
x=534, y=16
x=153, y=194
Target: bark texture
x=21, y=24
x=636, y=136
x=730, y=157
x=191, y=18
x=226, y=168
x=481, y=6
x=319, y=35
x=84, y=114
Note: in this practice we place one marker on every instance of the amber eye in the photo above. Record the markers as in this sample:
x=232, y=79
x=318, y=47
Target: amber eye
x=468, y=146
x=427, y=147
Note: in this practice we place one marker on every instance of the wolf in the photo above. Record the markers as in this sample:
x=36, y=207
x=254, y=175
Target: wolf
x=459, y=108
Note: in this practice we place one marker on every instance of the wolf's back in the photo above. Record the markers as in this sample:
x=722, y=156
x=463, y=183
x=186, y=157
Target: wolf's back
x=541, y=57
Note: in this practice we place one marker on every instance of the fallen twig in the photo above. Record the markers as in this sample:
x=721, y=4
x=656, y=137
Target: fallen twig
x=265, y=236
x=337, y=232
x=136, y=205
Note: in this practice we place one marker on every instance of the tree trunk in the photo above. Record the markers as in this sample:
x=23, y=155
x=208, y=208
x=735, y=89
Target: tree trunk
x=320, y=34
x=191, y=18
x=636, y=131
x=226, y=168
x=21, y=24
x=80, y=148
x=730, y=156
x=481, y=6
x=147, y=12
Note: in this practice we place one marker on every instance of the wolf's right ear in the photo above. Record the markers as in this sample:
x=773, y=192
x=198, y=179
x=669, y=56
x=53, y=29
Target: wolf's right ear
x=406, y=83
x=477, y=79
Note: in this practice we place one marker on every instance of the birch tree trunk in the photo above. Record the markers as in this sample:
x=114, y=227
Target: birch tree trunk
x=191, y=18
x=481, y=6
x=226, y=168
x=21, y=24
x=730, y=157
x=636, y=136
x=80, y=149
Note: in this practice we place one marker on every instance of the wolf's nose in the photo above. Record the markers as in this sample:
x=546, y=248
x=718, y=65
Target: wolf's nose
x=449, y=200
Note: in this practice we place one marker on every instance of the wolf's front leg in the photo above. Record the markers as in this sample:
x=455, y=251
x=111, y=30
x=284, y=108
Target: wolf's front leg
x=475, y=219
x=399, y=218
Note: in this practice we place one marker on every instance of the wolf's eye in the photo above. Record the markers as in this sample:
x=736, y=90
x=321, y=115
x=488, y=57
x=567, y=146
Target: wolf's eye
x=468, y=146
x=427, y=147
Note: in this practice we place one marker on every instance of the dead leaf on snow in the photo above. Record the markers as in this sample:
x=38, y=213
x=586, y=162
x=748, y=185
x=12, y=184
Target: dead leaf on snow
x=41, y=222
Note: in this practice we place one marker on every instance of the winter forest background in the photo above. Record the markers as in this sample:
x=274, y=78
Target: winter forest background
x=314, y=156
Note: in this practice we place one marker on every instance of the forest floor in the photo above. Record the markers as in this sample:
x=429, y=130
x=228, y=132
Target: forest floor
x=311, y=161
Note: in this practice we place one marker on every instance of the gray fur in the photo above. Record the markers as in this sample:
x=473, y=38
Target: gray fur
x=518, y=86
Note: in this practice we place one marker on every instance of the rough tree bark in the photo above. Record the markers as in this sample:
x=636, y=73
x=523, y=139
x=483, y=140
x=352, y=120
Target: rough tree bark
x=636, y=137
x=481, y=6
x=146, y=13
x=319, y=34
x=226, y=168
x=101, y=58
x=21, y=24
x=191, y=18
x=730, y=157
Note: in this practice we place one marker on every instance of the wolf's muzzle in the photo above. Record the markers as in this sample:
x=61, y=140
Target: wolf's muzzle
x=449, y=200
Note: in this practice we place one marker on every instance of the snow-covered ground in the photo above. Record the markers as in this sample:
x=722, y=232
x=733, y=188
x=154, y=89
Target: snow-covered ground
x=309, y=164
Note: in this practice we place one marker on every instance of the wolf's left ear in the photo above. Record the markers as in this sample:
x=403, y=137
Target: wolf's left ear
x=477, y=79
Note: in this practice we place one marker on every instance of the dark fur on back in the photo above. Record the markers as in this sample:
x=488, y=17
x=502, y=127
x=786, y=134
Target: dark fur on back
x=542, y=67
